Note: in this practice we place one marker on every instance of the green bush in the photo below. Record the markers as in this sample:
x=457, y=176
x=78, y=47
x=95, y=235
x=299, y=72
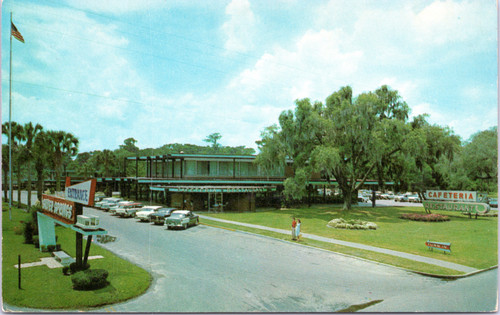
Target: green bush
x=90, y=279
x=425, y=217
x=36, y=241
x=66, y=271
x=29, y=229
x=53, y=248
x=75, y=268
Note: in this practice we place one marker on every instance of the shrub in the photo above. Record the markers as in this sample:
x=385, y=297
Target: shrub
x=90, y=279
x=66, y=271
x=36, y=241
x=352, y=224
x=434, y=217
x=75, y=268
x=28, y=231
x=54, y=248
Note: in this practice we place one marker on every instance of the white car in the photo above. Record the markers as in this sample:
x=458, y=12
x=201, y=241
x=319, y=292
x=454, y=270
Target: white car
x=119, y=205
x=414, y=198
x=146, y=211
x=129, y=210
x=362, y=198
x=107, y=203
x=401, y=198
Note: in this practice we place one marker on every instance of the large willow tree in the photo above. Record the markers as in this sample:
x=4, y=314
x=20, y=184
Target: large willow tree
x=346, y=139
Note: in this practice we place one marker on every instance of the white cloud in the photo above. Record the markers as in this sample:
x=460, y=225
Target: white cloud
x=311, y=67
x=239, y=29
x=449, y=21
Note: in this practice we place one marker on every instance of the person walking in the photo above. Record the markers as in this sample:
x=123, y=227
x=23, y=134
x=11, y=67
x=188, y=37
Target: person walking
x=297, y=230
x=294, y=226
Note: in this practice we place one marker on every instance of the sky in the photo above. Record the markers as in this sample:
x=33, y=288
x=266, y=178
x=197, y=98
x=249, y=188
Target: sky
x=167, y=71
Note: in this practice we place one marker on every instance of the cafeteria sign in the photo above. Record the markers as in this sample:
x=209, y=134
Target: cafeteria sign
x=452, y=195
x=82, y=193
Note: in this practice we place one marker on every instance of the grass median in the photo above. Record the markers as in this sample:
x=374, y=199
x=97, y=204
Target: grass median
x=474, y=241
x=45, y=288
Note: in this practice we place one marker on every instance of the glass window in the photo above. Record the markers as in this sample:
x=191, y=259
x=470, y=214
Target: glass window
x=226, y=168
x=203, y=168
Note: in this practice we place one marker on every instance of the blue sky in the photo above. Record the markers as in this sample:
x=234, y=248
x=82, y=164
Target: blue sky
x=176, y=71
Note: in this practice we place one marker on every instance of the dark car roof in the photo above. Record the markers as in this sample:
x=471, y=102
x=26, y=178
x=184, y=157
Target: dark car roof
x=163, y=211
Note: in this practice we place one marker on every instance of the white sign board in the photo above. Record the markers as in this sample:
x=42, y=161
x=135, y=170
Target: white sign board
x=451, y=195
x=82, y=193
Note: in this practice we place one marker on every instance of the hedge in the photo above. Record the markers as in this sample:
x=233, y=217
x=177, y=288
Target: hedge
x=434, y=217
x=90, y=279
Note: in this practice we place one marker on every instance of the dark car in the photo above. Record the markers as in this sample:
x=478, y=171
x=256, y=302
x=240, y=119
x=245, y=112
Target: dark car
x=182, y=219
x=159, y=216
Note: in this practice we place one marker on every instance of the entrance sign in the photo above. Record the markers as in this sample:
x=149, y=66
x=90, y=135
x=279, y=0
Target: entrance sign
x=59, y=209
x=452, y=195
x=470, y=207
x=83, y=192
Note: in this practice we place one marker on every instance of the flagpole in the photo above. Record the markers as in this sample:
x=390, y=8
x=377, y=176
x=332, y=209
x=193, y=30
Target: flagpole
x=10, y=122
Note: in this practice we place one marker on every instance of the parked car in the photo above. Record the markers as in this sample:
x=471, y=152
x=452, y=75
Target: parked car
x=129, y=210
x=144, y=215
x=414, y=198
x=401, y=198
x=120, y=204
x=158, y=218
x=362, y=198
x=107, y=203
x=182, y=219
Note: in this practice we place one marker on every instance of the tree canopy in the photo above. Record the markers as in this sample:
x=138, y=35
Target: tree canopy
x=350, y=139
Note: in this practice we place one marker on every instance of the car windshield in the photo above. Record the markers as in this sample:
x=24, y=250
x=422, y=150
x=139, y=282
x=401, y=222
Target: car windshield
x=177, y=215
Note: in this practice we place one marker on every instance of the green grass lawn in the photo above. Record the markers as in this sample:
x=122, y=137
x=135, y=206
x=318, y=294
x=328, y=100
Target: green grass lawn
x=46, y=288
x=474, y=242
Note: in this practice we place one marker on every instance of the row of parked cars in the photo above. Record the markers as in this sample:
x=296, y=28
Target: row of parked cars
x=171, y=217
x=366, y=196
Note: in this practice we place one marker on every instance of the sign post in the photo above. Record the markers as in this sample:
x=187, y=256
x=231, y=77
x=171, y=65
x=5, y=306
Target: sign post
x=65, y=211
x=81, y=194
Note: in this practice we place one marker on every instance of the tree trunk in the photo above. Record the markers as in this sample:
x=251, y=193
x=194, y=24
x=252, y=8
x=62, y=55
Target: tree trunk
x=29, y=185
x=6, y=185
x=347, y=193
x=19, y=185
x=58, y=179
x=39, y=184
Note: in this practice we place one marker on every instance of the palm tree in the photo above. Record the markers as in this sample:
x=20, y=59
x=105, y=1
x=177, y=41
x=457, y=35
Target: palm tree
x=5, y=169
x=17, y=136
x=41, y=153
x=30, y=134
x=107, y=159
x=62, y=143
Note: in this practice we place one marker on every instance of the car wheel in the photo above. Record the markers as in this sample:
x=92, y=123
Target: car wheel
x=184, y=226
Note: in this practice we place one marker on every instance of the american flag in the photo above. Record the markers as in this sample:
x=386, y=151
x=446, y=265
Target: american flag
x=14, y=32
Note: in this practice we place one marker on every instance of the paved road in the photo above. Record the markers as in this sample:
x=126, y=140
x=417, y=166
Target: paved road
x=205, y=269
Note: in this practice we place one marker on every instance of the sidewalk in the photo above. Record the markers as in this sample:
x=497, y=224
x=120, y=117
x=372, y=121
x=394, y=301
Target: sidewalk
x=418, y=258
